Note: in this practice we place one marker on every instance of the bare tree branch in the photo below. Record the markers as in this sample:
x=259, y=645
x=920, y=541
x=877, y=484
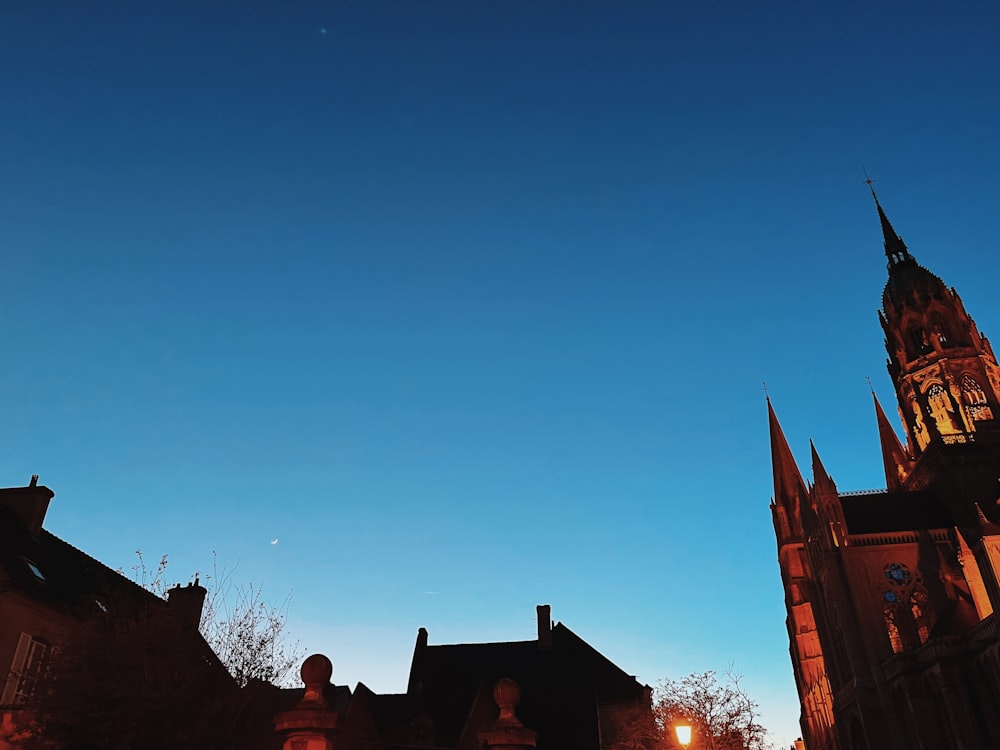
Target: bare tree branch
x=722, y=715
x=246, y=633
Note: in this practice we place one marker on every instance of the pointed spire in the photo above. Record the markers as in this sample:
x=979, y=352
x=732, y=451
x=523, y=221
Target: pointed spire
x=986, y=526
x=895, y=248
x=789, y=488
x=967, y=560
x=825, y=513
x=822, y=481
x=894, y=457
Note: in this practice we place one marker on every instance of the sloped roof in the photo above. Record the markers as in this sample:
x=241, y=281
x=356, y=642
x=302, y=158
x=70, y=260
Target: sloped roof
x=885, y=512
x=67, y=579
x=562, y=686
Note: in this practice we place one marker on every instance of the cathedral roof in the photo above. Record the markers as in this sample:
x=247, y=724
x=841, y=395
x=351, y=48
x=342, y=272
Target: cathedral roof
x=888, y=512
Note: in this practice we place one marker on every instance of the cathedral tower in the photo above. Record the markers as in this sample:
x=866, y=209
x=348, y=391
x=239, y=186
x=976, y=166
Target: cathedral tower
x=944, y=371
x=890, y=594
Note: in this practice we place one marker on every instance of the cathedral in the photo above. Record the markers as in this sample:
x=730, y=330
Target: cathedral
x=891, y=593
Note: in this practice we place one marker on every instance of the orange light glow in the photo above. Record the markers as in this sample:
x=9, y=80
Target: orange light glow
x=683, y=734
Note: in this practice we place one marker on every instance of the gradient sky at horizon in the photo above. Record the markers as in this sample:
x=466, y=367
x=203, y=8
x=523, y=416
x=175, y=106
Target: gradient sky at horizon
x=469, y=304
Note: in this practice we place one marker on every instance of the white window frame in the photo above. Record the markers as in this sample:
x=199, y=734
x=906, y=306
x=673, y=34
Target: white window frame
x=24, y=670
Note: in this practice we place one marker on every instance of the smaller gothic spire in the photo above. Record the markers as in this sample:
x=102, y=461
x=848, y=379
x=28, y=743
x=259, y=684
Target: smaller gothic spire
x=894, y=457
x=986, y=526
x=822, y=480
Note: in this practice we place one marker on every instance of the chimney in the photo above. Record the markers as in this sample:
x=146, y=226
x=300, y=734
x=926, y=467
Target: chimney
x=417, y=666
x=185, y=604
x=544, y=627
x=28, y=504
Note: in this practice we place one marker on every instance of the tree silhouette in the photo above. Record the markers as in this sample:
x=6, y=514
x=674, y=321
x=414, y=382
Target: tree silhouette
x=721, y=714
x=245, y=632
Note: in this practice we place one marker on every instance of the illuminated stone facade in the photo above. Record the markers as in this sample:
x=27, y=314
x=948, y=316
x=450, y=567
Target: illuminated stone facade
x=891, y=594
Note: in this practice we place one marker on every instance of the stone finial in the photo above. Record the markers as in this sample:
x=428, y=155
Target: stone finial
x=316, y=672
x=507, y=732
x=507, y=694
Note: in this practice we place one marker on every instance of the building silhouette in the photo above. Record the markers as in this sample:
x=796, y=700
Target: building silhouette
x=169, y=689
x=53, y=596
x=891, y=594
x=569, y=696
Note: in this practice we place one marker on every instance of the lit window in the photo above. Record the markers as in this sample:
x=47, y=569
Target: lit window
x=895, y=639
x=975, y=399
x=939, y=404
x=923, y=618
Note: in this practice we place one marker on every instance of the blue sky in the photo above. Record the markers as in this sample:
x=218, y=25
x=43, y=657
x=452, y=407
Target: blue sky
x=469, y=304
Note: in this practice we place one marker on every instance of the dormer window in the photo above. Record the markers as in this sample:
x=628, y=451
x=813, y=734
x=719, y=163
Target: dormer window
x=35, y=570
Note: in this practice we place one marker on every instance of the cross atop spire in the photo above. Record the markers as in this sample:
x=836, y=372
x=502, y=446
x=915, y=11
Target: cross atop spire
x=868, y=180
x=895, y=248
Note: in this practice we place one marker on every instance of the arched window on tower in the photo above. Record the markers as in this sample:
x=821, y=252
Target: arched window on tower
x=975, y=399
x=941, y=409
x=941, y=330
x=916, y=340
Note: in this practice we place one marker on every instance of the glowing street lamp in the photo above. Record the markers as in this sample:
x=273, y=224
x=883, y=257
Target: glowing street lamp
x=683, y=730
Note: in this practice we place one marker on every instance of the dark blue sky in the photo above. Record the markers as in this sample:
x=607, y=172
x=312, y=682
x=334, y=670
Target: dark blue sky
x=474, y=298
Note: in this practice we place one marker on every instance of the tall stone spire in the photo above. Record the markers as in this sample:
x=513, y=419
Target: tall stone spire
x=789, y=488
x=787, y=478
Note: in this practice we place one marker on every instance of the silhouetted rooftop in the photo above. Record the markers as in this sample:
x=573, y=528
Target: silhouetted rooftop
x=50, y=570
